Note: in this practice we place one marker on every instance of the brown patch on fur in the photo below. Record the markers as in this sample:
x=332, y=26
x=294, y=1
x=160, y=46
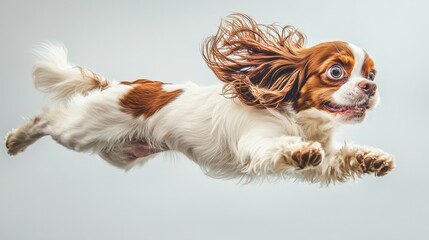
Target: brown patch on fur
x=318, y=88
x=146, y=97
x=368, y=66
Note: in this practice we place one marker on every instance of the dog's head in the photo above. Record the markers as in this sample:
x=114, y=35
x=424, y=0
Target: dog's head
x=268, y=66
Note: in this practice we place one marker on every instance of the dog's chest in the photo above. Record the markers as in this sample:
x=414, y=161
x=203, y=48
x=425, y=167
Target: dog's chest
x=315, y=128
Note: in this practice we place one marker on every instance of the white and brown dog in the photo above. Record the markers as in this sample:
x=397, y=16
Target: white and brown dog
x=274, y=115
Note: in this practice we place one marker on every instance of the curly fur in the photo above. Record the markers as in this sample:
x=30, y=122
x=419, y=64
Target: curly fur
x=259, y=63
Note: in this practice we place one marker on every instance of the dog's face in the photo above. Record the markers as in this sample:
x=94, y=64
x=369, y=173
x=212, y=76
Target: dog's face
x=267, y=66
x=339, y=81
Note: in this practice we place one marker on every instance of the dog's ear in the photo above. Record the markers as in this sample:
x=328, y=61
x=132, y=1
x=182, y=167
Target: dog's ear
x=262, y=65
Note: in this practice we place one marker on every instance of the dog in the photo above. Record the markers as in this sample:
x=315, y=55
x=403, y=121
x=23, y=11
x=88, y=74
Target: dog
x=274, y=114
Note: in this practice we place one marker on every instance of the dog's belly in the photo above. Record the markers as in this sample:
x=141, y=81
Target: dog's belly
x=143, y=149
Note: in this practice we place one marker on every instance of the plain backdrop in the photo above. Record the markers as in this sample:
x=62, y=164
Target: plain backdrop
x=49, y=192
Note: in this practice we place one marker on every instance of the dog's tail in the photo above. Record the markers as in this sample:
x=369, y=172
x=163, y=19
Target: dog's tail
x=54, y=75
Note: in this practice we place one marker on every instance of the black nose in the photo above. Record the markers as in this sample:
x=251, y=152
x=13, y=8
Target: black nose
x=368, y=87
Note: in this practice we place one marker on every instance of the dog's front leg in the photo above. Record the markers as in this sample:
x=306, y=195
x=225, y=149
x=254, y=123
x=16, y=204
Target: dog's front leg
x=268, y=155
x=354, y=161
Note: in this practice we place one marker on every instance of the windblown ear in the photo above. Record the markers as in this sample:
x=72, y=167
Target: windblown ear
x=261, y=64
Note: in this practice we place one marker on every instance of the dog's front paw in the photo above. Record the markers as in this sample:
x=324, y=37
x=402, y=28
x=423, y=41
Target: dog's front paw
x=307, y=155
x=374, y=161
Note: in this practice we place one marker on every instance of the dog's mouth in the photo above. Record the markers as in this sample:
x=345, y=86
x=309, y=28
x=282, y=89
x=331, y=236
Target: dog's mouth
x=354, y=110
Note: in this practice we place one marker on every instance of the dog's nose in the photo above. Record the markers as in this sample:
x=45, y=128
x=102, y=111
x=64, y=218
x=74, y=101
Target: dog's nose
x=368, y=87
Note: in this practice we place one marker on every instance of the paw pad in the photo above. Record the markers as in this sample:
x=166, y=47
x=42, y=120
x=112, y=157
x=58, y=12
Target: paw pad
x=309, y=155
x=379, y=163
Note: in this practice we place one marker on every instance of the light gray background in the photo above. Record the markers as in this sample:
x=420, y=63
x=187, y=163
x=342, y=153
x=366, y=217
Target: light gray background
x=49, y=192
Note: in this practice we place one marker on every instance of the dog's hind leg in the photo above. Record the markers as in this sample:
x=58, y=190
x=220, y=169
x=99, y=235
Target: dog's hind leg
x=125, y=154
x=19, y=139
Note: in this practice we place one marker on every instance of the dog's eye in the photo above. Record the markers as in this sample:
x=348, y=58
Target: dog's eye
x=371, y=76
x=335, y=72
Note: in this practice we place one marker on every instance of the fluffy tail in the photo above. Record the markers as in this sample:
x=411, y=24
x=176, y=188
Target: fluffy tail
x=54, y=75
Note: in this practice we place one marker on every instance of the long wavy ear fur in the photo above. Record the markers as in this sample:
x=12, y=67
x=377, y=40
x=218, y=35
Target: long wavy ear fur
x=260, y=64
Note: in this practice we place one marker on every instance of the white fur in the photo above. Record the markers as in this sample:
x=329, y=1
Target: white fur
x=349, y=93
x=222, y=135
x=53, y=74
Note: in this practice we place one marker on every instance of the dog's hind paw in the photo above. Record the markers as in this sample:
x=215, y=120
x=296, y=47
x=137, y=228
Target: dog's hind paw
x=15, y=142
